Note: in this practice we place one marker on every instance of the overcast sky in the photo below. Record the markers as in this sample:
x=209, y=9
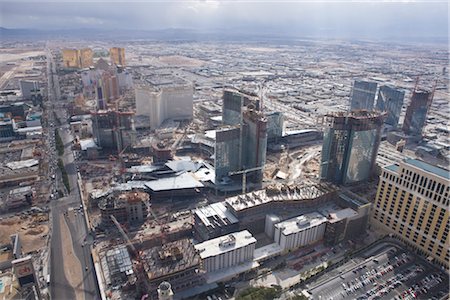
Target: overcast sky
x=363, y=18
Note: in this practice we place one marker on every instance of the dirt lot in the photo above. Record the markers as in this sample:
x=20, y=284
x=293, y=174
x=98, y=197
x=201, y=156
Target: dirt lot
x=32, y=231
x=178, y=60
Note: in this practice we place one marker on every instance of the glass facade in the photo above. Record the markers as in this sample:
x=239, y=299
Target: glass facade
x=390, y=100
x=363, y=95
x=361, y=155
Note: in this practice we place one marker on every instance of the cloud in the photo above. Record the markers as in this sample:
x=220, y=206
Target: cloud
x=292, y=17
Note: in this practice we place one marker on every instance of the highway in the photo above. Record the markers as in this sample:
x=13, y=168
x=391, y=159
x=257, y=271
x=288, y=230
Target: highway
x=71, y=267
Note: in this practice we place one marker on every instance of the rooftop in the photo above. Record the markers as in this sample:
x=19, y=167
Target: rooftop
x=225, y=244
x=275, y=193
x=301, y=223
x=215, y=215
x=178, y=182
x=429, y=168
x=170, y=258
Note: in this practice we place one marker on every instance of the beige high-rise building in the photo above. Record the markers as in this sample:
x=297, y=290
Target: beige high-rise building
x=70, y=58
x=86, y=58
x=76, y=58
x=412, y=202
x=117, y=56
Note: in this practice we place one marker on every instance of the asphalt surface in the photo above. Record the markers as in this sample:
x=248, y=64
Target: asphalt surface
x=59, y=285
x=385, y=272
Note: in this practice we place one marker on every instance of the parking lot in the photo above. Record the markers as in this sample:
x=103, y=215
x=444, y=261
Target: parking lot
x=387, y=272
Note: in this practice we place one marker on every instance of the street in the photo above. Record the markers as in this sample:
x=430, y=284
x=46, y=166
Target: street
x=72, y=270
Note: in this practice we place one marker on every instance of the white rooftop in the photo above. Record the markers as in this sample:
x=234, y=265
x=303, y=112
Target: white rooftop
x=181, y=181
x=14, y=165
x=87, y=143
x=338, y=215
x=301, y=223
x=225, y=244
x=215, y=211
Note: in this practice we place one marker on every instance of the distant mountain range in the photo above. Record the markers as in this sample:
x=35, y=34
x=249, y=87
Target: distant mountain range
x=181, y=34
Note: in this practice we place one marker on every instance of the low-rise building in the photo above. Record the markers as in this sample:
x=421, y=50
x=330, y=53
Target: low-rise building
x=300, y=231
x=227, y=251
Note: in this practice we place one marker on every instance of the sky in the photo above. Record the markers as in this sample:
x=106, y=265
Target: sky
x=340, y=18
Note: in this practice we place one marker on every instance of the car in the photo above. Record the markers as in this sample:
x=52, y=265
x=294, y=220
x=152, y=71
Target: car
x=87, y=268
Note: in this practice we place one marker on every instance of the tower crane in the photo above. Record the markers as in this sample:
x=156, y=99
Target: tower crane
x=244, y=176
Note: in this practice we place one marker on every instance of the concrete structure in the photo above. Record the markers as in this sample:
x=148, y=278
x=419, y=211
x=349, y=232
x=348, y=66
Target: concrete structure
x=363, y=95
x=416, y=113
x=128, y=207
x=162, y=97
x=165, y=291
x=300, y=231
x=390, y=100
x=227, y=251
x=350, y=146
x=77, y=58
x=117, y=266
x=113, y=130
x=213, y=221
x=117, y=56
x=412, y=202
x=176, y=262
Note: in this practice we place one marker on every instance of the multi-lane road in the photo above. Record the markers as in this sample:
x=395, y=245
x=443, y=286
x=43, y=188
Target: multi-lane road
x=72, y=274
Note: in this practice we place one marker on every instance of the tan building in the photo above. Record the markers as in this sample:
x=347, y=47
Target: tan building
x=70, y=58
x=86, y=58
x=76, y=58
x=117, y=56
x=413, y=202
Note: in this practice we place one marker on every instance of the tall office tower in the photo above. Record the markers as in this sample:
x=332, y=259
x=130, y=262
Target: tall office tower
x=70, y=58
x=363, y=95
x=412, y=202
x=233, y=104
x=350, y=146
x=113, y=130
x=416, y=113
x=390, y=100
x=86, y=58
x=254, y=143
x=117, y=56
x=275, y=125
x=242, y=147
x=162, y=97
x=227, y=151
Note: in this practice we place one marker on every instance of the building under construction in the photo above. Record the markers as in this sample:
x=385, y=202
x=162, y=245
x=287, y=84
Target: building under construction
x=176, y=262
x=113, y=130
x=127, y=207
x=416, y=113
x=350, y=145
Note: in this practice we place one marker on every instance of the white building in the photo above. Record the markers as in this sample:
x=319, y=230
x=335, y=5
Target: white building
x=300, y=231
x=227, y=251
x=164, y=97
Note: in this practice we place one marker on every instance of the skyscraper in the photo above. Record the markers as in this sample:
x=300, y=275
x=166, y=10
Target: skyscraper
x=113, y=130
x=390, y=100
x=363, y=95
x=242, y=146
x=350, y=146
x=416, y=113
x=117, y=56
x=77, y=58
x=233, y=104
x=412, y=201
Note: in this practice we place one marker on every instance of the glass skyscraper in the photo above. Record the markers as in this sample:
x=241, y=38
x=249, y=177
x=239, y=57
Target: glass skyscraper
x=350, y=146
x=390, y=100
x=363, y=95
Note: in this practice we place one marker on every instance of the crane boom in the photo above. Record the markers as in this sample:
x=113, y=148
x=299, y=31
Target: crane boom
x=244, y=176
x=124, y=235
